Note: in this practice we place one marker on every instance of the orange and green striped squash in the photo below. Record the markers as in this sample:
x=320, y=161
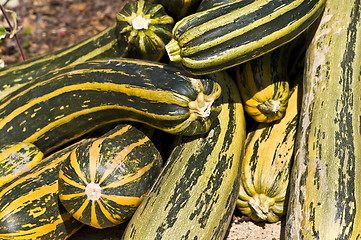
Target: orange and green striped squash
x=264, y=86
x=102, y=183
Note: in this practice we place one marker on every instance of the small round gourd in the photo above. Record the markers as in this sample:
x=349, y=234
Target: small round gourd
x=145, y=28
x=102, y=183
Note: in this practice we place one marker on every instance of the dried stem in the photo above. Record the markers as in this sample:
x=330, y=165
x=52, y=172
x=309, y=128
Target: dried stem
x=12, y=29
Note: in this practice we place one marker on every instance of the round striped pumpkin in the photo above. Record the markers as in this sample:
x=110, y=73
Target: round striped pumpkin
x=102, y=183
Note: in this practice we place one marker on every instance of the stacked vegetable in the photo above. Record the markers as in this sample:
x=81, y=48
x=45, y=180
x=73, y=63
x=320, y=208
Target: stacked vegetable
x=86, y=131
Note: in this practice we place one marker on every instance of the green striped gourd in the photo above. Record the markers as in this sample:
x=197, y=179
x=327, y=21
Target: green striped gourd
x=325, y=193
x=266, y=165
x=145, y=29
x=102, y=45
x=102, y=182
x=29, y=204
x=236, y=32
x=178, y=9
x=65, y=104
x=264, y=86
x=195, y=195
x=17, y=158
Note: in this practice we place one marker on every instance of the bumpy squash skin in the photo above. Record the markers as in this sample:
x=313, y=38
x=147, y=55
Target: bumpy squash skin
x=144, y=28
x=17, y=158
x=236, y=32
x=65, y=104
x=195, y=194
x=29, y=204
x=102, y=183
x=325, y=192
x=266, y=165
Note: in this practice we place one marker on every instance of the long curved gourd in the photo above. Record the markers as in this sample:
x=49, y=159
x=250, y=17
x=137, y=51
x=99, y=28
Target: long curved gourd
x=102, y=183
x=16, y=158
x=325, y=193
x=195, y=194
x=102, y=45
x=233, y=33
x=266, y=165
x=264, y=85
x=65, y=104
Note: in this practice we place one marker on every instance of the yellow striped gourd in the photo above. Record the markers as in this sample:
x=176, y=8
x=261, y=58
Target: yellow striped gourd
x=233, y=33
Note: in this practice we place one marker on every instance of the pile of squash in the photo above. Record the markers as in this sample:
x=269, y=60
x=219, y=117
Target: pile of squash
x=183, y=111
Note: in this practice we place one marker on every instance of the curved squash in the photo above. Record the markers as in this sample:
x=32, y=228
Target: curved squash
x=65, y=104
x=109, y=43
x=102, y=182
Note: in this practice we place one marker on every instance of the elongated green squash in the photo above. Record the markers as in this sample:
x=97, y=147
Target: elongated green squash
x=65, y=104
x=266, y=165
x=29, y=204
x=102, y=182
x=264, y=86
x=17, y=158
x=195, y=194
x=112, y=42
x=233, y=33
x=325, y=193
x=145, y=29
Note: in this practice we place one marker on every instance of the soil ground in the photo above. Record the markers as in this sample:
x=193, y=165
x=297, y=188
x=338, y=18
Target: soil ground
x=50, y=25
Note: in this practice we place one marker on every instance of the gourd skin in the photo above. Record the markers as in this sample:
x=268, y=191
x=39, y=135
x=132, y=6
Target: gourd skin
x=17, y=158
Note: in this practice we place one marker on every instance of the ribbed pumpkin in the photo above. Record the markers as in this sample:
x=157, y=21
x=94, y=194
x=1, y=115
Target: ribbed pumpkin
x=16, y=158
x=144, y=28
x=102, y=183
